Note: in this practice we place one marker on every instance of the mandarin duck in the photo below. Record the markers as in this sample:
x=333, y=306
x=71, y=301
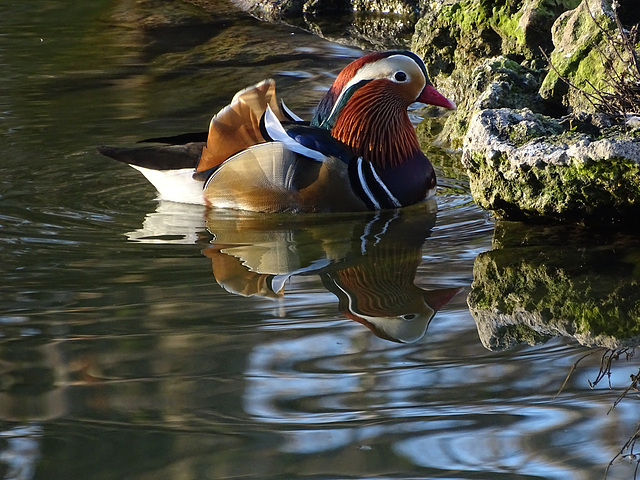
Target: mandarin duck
x=359, y=152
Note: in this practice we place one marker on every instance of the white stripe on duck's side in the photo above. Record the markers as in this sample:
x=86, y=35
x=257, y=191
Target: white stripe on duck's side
x=175, y=185
x=390, y=198
x=394, y=201
x=365, y=186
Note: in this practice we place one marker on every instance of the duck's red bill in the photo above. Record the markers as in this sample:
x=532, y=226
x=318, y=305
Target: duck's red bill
x=431, y=96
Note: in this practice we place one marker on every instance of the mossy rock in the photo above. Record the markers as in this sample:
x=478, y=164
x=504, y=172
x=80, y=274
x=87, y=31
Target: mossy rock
x=583, y=55
x=363, y=29
x=460, y=42
x=556, y=281
x=496, y=82
x=524, y=166
x=378, y=20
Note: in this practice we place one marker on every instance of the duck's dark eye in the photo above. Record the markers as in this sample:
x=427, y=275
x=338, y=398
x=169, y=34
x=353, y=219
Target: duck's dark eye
x=400, y=76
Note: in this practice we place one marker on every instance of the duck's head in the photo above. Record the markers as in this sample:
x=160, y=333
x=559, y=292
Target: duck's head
x=366, y=107
x=398, y=77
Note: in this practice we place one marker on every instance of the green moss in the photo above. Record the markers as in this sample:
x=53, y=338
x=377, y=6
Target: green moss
x=594, y=191
x=584, y=68
x=513, y=37
x=506, y=65
x=520, y=333
x=523, y=132
x=474, y=18
x=581, y=60
x=459, y=37
x=471, y=15
x=455, y=15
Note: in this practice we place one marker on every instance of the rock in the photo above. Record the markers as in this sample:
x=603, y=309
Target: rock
x=496, y=82
x=365, y=30
x=486, y=55
x=459, y=32
x=543, y=282
x=524, y=165
x=368, y=24
x=272, y=10
x=581, y=49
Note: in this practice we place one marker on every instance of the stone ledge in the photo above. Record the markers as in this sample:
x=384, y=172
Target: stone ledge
x=523, y=165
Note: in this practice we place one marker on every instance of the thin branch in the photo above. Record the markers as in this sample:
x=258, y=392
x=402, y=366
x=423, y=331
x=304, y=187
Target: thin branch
x=630, y=455
x=605, y=363
x=632, y=386
x=573, y=369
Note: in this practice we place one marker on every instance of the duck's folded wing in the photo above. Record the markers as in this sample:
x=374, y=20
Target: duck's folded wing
x=237, y=126
x=263, y=178
x=271, y=178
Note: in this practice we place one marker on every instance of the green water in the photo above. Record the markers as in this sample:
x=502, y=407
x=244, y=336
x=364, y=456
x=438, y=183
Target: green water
x=141, y=339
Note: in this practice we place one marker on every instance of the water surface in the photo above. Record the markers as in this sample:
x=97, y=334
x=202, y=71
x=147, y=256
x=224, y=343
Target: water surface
x=141, y=339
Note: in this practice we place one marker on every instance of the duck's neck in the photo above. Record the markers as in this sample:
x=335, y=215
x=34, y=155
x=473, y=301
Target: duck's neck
x=377, y=128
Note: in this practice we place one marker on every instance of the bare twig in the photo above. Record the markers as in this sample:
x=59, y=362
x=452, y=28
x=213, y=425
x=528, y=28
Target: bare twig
x=626, y=452
x=573, y=369
x=605, y=363
x=635, y=379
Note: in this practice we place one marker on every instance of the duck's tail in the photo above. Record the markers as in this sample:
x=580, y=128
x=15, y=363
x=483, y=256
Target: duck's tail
x=169, y=168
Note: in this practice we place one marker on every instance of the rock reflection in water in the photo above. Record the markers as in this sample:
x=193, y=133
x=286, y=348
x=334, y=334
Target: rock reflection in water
x=368, y=261
x=539, y=282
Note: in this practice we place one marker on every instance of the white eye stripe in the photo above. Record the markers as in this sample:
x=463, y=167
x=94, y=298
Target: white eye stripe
x=385, y=68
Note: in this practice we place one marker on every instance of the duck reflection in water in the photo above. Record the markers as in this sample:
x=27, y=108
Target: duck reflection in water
x=369, y=261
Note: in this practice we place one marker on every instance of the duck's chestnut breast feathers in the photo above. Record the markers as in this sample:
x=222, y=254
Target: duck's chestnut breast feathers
x=376, y=126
